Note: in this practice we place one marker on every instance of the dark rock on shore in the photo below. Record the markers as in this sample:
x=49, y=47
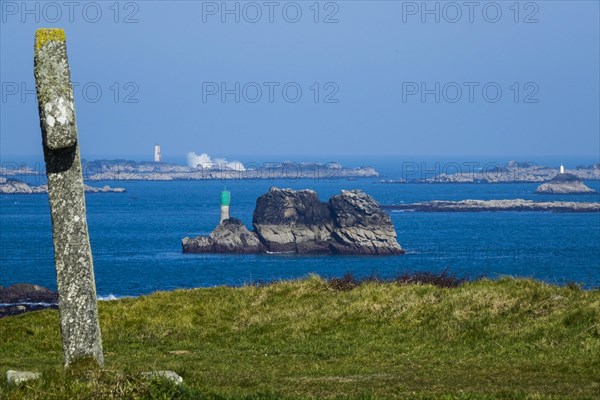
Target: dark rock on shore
x=7, y=311
x=24, y=292
x=289, y=221
x=564, y=184
x=21, y=298
x=229, y=237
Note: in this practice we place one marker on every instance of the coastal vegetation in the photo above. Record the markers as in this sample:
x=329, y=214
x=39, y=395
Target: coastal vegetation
x=420, y=336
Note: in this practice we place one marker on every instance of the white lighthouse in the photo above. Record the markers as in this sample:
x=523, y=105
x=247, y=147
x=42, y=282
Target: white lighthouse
x=562, y=169
x=157, y=153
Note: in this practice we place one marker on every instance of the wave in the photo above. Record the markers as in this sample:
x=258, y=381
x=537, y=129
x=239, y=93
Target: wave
x=207, y=162
x=112, y=297
x=28, y=303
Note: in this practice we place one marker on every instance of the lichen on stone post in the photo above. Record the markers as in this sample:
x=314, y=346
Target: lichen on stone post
x=72, y=251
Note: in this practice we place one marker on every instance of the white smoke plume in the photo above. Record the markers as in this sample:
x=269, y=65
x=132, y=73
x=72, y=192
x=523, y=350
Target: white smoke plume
x=206, y=162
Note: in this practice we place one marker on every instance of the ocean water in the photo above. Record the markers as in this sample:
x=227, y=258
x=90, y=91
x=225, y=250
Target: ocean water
x=136, y=236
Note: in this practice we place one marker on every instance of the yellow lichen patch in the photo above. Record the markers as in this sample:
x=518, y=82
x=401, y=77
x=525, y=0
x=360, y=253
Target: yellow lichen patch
x=44, y=35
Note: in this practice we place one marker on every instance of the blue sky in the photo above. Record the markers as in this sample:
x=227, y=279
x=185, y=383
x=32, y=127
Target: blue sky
x=376, y=78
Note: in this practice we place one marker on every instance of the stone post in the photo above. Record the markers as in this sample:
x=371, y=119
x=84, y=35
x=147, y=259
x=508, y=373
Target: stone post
x=72, y=252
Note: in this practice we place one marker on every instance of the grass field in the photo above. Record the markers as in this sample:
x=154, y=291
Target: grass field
x=506, y=339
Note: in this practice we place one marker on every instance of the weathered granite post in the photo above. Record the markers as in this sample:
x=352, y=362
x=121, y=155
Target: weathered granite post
x=72, y=253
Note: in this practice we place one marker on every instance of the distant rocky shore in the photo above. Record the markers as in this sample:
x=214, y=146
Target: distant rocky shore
x=128, y=170
x=496, y=205
x=289, y=221
x=512, y=172
x=14, y=186
x=21, y=298
x=152, y=171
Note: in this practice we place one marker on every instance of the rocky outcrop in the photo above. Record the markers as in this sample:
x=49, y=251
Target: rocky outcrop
x=564, y=184
x=361, y=226
x=231, y=236
x=497, y=205
x=24, y=292
x=20, y=298
x=289, y=221
x=564, y=188
x=14, y=186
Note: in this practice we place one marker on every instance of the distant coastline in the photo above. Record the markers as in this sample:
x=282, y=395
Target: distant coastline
x=497, y=205
x=511, y=172
x=128, y=170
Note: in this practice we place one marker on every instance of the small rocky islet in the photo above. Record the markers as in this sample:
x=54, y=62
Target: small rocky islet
x=297, y=222
x=564, y=184
x=15, y=186
x=497, y=205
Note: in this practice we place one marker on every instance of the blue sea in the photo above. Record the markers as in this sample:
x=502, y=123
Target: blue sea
x=136, y=236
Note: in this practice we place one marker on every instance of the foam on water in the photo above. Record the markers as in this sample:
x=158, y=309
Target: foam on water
x=112, y=297
x=25, y=303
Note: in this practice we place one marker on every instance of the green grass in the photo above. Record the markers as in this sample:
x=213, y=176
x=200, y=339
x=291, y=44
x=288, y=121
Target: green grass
x=506, y=339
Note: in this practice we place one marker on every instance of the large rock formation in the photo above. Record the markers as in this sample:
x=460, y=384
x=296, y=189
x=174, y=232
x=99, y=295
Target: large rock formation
x=289, y=221
x=564, y=184
x=361, y=226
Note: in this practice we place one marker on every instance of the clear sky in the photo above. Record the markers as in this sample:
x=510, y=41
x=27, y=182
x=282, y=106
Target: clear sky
x=376, y=77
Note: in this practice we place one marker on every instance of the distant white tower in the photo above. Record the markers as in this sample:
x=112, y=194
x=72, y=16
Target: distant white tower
x=562, y=169
x=225, y=202
x=156, y=153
